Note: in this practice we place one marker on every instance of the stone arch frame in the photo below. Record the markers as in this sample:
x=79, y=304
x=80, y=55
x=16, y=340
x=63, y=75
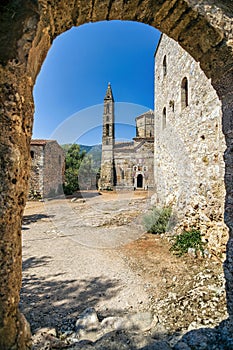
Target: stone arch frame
x=203, y=28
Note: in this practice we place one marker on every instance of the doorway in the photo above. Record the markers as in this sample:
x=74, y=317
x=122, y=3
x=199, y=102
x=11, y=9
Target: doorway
x=139, y=181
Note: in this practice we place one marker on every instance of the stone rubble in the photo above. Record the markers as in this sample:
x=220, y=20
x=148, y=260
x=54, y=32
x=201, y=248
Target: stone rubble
x=128, y=333
x=198, y=302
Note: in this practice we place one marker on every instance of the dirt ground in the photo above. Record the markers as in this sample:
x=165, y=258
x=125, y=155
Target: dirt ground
x=94, y=252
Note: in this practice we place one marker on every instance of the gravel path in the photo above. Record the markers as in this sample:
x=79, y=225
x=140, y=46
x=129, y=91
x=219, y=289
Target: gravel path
x=71, y=259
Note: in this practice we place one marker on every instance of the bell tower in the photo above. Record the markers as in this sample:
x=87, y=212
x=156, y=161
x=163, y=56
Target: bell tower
x=107, y=173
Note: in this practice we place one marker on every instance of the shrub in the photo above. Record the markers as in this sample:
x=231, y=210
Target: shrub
x=157, y=221
x=34, y=195
x=188, y=239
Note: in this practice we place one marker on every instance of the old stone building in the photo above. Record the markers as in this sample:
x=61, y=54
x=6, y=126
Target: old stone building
x=126, y=165
x=47, y=169
x=189, y=143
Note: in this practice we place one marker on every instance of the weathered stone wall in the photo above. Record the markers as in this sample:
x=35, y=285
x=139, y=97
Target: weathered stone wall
x=54, y=160
x=203, y=28
x=134, y=159
x=189, y=144
x=47, y=169
x=36, y=173
x=145, y=125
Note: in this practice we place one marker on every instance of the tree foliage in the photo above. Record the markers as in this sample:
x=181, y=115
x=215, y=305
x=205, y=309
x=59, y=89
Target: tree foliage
x=73, y=162
x=80, y=171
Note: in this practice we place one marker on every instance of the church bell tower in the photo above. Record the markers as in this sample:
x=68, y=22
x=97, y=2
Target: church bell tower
x=107, y=173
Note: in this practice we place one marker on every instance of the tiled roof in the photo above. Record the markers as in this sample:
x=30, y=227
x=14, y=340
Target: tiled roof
x=40, y=142
x=149, y=113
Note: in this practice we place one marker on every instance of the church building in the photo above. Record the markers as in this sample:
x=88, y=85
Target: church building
x=126, y=165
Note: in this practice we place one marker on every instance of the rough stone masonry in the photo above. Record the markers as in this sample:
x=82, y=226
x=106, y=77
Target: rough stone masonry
x=28, y=28
x=189, y=145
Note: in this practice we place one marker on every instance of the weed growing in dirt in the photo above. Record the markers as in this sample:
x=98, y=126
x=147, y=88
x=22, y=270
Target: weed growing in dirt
x=157, y=221
x=186, y=240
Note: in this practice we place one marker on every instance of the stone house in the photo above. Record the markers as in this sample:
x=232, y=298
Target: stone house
x=126, y=165
x=47, y=169
x=189, y=143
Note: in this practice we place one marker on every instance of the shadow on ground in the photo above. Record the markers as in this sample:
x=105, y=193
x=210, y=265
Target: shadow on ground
x=54, y=301
x=77, y=195
x=28, y=219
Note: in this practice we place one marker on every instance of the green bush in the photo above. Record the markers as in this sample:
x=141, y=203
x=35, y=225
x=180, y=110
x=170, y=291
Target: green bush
x=188, y=239
x=158, y=220
x=71, y=181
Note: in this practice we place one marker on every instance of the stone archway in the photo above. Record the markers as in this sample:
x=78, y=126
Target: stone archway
x=203, y=28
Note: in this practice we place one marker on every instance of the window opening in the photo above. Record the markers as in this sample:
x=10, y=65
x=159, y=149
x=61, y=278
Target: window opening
x=164, y=66
x=164, y=120
x=184, y=93
x=107, y=129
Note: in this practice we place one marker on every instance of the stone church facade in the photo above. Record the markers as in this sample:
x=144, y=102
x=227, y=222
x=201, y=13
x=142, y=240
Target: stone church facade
x=189, y=143
x=47, y=169
x=126, y=165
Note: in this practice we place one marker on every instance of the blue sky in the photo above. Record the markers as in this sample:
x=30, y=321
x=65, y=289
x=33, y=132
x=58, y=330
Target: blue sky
x=74, y=77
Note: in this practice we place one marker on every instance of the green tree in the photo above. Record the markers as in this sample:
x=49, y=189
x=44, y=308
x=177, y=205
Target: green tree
x=73, y=162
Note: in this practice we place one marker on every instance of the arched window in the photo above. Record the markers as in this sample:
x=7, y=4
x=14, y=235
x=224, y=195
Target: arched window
x=184, y=93
x=164, y=118
x=32, y=154
x=164, y=66
x=107, y=129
